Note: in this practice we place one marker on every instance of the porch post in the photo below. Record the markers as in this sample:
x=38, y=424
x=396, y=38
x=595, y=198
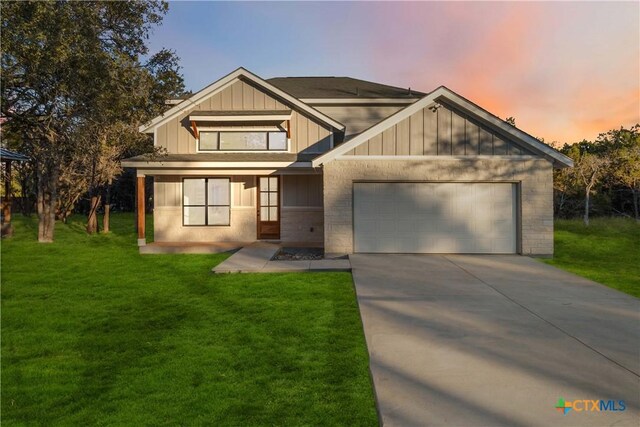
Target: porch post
x=140, y=204
x=7, y=230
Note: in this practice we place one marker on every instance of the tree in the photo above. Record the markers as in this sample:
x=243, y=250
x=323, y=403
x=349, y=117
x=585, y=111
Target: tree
x=591, y=161
x=625, y=160
x=62, y=64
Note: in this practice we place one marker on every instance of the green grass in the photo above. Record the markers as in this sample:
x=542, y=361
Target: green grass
x=608, y=251
x=95, y=334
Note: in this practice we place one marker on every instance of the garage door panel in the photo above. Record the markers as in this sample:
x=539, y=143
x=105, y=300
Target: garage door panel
x=434, y=217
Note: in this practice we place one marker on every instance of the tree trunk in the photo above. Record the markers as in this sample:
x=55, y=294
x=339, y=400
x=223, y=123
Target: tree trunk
x=92, y=221
x=634, y=195
x=107, y=209
x=587, y=197
x=47, y=197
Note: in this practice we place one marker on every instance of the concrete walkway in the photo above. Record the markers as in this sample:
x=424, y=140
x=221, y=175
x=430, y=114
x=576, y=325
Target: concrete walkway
x=256, y=258
x=495, y=340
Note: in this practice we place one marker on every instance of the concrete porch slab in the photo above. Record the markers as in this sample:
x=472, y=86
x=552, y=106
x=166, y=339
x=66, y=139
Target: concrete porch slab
x=257, y=258
x=190, y=248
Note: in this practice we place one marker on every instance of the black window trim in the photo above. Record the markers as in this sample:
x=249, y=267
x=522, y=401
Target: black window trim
x=206, y=205
x=218, y=132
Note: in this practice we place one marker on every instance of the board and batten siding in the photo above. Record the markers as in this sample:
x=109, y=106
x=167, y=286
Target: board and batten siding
x=437, y=131
x=302, y=212
x=306, y=134
x=302, y=191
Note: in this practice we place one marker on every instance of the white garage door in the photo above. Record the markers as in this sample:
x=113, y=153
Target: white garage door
x=434, y=217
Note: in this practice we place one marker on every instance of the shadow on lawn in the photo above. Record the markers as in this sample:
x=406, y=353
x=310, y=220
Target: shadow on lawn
x=113, y=344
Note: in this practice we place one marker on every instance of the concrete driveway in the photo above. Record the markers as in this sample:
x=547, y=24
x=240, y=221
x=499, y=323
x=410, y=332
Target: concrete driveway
x=469, y=340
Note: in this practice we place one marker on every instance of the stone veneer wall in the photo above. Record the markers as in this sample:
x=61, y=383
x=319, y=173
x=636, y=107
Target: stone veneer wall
x=535, y=176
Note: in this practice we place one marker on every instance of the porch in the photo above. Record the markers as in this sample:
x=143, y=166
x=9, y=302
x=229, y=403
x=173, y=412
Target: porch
x=218, y=210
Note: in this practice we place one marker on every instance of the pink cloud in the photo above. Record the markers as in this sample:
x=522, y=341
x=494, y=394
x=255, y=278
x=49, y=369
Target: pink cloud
x=565, y=71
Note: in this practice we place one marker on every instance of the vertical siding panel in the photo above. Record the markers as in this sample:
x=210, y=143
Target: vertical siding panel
x=294, y=132
x=499, y=146
x=402, y=138
x=158, y=192
x=389, y=142
x=362, y=149
x=375, y=145
x=162, y=137
x=208, y=104
x=302, y=187
x=457, y=135
x=313, y=132
x=227, y=98
x=236, y=95
x=191, y=141
x=258, y=100
x=315, y=190
x=279, y=105
x=416, y=138
x=514, y=149
x=325, y=137
x=444, y=132
x=302, y=133
x=247, y=97
x=236, y=190
x=472, y=139
x=269, y=103
x=485, y=143
x=216, y=101
x=247, y=190
x=430, y=132
x=172, y=134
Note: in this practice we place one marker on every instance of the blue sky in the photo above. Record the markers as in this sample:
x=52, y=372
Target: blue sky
x=566, y=71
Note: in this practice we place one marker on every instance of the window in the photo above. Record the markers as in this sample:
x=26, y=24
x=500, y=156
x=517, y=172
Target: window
x=206, y=201
x=208, y=141
x=242, y=141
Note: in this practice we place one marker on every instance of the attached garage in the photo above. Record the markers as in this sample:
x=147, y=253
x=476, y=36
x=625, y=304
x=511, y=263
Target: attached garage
x=435, y=217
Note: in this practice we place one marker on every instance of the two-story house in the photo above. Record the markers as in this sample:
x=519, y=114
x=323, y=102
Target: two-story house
x=347, y=164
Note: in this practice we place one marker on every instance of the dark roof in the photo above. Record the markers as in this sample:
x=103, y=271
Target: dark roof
x=227, y=157
x=240, y=113
x=339, y=87
x=12, y=155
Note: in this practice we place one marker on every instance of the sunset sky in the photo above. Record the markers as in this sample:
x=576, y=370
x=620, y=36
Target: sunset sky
x=565, y=71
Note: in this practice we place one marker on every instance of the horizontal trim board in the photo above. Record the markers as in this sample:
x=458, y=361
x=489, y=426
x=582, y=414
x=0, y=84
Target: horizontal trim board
x=265, y=118
x=302, y=208
x=418, y=158
x=216, y=165
x=431, y=181
x=359, y=101
x=225, y=172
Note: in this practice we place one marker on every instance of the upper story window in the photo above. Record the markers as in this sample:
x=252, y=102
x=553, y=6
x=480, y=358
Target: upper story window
x=242, y=141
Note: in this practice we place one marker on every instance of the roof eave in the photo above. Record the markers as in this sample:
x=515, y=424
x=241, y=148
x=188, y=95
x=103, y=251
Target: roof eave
x=222, y=83
x=558, y=159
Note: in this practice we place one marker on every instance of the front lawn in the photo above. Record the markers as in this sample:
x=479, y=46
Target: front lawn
x=94, y=333
x=608, y=251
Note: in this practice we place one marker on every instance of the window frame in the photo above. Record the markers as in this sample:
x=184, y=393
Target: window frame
x=206, y=205
x=267, y=132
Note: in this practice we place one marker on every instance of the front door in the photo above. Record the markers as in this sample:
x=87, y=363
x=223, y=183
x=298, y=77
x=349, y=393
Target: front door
x=268, y=207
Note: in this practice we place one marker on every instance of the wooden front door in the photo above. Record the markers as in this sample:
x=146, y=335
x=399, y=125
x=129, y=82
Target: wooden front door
x=268, y=207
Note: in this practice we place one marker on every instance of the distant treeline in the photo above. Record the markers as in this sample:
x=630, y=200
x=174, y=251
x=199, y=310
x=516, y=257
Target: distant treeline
x=605, y=179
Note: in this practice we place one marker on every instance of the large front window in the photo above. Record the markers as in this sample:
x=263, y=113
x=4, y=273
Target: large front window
x=242, y=141
x=206, y=201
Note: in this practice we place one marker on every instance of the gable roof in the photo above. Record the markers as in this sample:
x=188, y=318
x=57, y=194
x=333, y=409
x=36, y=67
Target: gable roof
x=340, y=87
x=225, y=82
x=449, y=97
